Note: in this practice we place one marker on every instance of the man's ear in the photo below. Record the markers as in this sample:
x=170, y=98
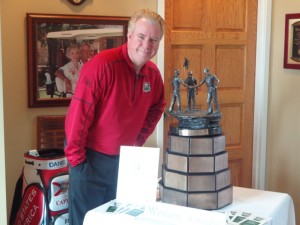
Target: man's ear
x=129, y=34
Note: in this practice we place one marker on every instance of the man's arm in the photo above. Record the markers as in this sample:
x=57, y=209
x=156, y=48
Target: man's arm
x=60, y=74
x=202, y=82
x=79, y=119
x=218, y=81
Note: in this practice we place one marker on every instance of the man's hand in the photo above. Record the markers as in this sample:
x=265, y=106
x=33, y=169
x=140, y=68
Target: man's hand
x=68, y=85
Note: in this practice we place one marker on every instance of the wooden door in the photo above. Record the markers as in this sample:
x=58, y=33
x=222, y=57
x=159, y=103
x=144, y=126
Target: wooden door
x=220, y=35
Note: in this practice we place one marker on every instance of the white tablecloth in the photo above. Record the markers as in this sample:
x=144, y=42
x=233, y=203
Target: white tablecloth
x=157, y=213
x=277, y=206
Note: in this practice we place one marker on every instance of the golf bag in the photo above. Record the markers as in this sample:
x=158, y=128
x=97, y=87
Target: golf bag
x=41, y=193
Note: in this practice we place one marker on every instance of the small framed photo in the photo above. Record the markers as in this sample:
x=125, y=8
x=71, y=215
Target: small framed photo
x=292, y=41
x=52, y=41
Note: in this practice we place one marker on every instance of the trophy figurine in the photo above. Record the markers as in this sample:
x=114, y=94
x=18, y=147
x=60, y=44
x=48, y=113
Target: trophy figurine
x=192, y=91
x=212, y=83
x=193, y=121
x=176, y=81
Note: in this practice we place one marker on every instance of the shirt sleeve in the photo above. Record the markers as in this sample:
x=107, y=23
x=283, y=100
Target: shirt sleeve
x=79, y=117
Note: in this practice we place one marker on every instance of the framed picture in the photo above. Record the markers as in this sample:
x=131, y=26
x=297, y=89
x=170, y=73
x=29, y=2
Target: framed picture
x=292, y=41
x=58, y=46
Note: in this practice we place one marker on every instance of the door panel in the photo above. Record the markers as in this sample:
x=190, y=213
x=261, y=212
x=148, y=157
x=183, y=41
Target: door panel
x=220, y=35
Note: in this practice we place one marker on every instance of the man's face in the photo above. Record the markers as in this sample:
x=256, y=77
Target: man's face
x=85, y=52
x=143, y=42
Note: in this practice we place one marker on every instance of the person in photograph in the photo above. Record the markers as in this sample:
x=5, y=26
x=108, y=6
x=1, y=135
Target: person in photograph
x=67, y=75
x=119, y=99
x=85, y=52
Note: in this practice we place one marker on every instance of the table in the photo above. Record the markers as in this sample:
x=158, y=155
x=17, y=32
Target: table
x=278, y=206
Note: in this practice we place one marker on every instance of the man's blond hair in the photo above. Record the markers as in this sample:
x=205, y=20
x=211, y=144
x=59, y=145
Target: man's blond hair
x=149, y=15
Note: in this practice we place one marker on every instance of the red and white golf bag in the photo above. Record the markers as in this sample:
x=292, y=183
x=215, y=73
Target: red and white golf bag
x=41, y=194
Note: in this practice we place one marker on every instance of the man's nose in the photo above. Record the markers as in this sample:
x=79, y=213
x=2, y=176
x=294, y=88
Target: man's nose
x=147, y=43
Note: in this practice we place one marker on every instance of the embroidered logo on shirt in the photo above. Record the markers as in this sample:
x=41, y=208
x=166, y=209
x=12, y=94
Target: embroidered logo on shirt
x=146, y=87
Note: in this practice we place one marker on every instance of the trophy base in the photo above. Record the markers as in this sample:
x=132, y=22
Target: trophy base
x=196, y=123
x=201, y=200
x=195, y=171
x=198, y=132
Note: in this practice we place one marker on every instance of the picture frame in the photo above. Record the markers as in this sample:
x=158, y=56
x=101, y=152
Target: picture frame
x=48, y=38
x=76, y=2
x=292, y=41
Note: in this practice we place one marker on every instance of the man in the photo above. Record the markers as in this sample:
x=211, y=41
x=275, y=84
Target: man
x=192, y=91
x=176, y=81
x=85, y=52
x=118, y=100
x=212, y=83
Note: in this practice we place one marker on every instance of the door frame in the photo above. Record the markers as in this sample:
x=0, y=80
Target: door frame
x=264, y=15
x=3, y=210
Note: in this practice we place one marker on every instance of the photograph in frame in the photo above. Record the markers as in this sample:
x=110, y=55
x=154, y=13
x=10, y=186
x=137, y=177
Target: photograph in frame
x=292, y=41
x=59, y=45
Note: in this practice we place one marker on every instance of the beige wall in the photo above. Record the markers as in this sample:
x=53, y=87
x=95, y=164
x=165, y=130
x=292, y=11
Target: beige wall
x=20, y=121
x=283, y=138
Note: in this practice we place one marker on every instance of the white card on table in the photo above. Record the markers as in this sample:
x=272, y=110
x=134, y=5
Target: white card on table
x=138, y=171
